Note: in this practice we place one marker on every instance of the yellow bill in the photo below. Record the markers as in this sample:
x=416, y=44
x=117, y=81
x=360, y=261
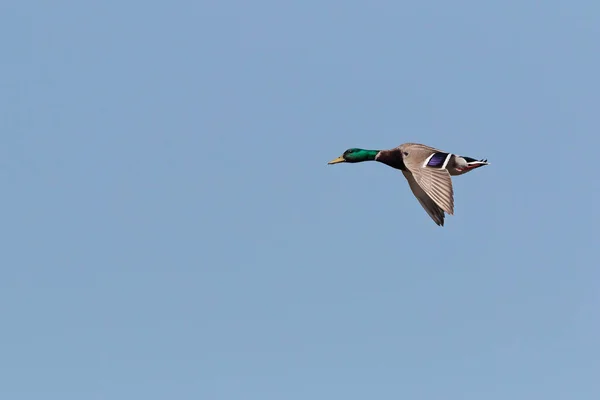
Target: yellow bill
x=337, y=160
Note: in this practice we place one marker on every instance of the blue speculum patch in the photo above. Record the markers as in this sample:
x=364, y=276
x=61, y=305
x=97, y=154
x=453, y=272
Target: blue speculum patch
x=437, y=160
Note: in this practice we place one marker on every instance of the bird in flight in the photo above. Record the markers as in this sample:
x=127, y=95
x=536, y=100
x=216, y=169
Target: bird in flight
x=426, y=169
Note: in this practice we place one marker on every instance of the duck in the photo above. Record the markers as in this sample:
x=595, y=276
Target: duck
x=428, y=171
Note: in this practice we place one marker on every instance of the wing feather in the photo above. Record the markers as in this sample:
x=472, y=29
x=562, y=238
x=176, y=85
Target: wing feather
x=435, y=182
x=434, y=211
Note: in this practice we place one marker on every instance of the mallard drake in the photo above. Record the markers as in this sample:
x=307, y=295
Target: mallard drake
x=427, y=170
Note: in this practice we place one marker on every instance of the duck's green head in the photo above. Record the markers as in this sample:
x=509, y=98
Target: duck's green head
x=355, y=155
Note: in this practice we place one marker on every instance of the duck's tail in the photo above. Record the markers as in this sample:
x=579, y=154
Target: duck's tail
x=466, y=164
x=473, y=163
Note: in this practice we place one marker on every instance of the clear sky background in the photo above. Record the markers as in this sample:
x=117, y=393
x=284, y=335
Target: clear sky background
x=170, y=228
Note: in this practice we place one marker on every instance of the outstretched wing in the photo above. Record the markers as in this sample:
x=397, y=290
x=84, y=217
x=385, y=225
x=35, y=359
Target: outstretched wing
x=435, y=182
x=434, y=211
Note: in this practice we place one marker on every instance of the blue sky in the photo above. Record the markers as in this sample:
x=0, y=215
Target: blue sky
x=171, y=228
